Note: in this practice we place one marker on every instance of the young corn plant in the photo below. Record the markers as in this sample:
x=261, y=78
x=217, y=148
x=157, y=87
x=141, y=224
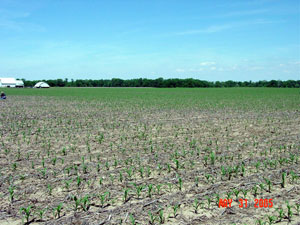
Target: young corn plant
x=205, y=158
x=217, y=199
x=175, y=209
x=26, y=212
x=212, y=158
x=50, y=189
x=245, y=192
x=255, y=190
x=138, y=190
x=76, y=203
x=228, y=194
x=236, y=192
x=283, y=179
x=209, y=200
x=11, y=191
x=125, y=195
x=269, y=183
x=262, y=187
x=161, y=216
x=281, y=214
x=78, y=181
x=141, y=170
x=158, y=187
x=272, y=219
x=152, y=218
x=132, y=219
x=289, y=213
x=196, y=205
x=150, y=187
x=40, y=213
x=57, y=210
x=293, y=176
x=67, y=184
x=243, y=170
x=85, y=203
x=297, y=207
x=102, y=198
x=197, y=181
x=208, y=176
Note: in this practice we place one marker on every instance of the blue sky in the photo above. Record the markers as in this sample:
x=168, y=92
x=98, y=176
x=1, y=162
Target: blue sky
x=209, y=40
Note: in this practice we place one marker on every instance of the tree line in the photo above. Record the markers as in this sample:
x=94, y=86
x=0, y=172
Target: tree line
x=164, y=83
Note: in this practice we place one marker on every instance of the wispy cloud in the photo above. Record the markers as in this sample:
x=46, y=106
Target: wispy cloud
x=244, y=13
x=210, y=29
x=10, y=20
x=207, y=63
x=222, y=27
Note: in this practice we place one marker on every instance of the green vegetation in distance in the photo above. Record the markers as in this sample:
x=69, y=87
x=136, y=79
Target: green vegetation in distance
x=211, y=98
x=164, y=83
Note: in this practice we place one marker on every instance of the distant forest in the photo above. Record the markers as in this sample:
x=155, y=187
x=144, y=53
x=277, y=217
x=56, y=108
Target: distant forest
x=164, y=83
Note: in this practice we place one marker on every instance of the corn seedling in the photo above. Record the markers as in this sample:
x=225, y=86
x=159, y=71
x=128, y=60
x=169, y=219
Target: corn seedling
x=57, y=210
x=289, y=213
x=125, y=195
x=50, y=189
x=228, y=194
x=196, y=181
x=196, y=205
x=41, y=213
x=152, y=218
x=27, y=212
x=293, y=176
x=78, y=181
x=11, y=191
x=281, y=214
x=180, y=184
x=269, y=183
x=207, y=176
x=255, y=189
x=271, y=219
x=209, y=200
x=236, y=192
x=150, y=187
x=141, y=170
x=262, y=187
x=212, y=158
x=161, y=216
x=283, y=179
x=132, y=219
x=139, y=190
x=158, y=187
x=175, y=209
x=85, y=203
x=217, y=199
x=245, y=192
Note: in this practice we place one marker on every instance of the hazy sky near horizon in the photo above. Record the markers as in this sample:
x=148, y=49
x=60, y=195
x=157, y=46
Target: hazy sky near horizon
x=209, y=40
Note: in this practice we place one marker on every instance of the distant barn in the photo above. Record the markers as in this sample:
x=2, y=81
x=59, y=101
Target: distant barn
x=11, y=82
x=41, y=85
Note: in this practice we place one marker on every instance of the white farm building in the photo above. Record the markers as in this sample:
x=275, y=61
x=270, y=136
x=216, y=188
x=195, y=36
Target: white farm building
x=11, y=82
x=41, y=85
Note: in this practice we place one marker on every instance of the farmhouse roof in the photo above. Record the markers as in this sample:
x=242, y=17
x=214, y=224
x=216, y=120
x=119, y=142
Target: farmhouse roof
x=8, y=80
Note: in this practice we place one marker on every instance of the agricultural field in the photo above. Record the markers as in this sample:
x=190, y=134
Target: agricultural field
x=150, y=156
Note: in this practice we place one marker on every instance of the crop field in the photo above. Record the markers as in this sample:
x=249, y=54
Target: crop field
x=150, y=156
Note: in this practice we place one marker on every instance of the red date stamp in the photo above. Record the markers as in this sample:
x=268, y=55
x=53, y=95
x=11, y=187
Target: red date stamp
x=243, y=203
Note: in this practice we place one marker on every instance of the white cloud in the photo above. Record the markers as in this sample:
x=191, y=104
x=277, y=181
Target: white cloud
x=222, y=27
x=210, y=29
x=244, y=13
x=207, y=63
x=10, y=20
x=180, y=70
